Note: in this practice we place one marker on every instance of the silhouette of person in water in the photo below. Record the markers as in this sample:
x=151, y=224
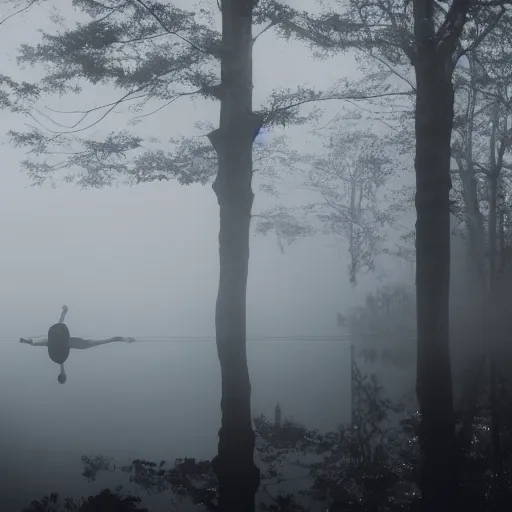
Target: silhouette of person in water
x=59, y=343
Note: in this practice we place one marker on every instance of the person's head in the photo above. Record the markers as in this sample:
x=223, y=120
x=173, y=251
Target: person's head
x=62, y=375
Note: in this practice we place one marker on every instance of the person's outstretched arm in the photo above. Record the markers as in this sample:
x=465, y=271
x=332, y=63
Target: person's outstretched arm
x=43, y=342
x=82, y=343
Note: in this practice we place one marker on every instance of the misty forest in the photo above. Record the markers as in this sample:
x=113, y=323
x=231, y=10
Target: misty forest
x=284, y=228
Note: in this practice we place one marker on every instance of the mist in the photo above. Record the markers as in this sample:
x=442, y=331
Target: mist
x=141, y=260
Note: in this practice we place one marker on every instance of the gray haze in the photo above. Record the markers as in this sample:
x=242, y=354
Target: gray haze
x=143, y=262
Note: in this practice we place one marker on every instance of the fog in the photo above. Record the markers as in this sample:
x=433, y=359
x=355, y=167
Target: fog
x=143, y=262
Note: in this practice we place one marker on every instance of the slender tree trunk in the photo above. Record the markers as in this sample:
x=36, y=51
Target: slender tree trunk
x=493, y=226
x=494, y=320
x=238, y=477
x=501, y=230
x=434, y=120
x=493, y=191
x=492, y=303
x=469, y=181
x=475, y=223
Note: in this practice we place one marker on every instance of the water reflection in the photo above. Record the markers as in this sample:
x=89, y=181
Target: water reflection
x=148, y=400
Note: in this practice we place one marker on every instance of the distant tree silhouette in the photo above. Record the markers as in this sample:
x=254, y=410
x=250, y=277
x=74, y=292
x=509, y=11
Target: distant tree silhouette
x=385, y=325
x=347, y=200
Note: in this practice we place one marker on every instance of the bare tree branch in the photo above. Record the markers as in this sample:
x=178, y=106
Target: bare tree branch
x=164, y=26
x=19, y=11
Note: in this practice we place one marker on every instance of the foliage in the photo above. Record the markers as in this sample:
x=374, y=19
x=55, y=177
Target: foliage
x=385, y=30
x=154, y=54
x=483, y=137
x=370, y=467
x=285, y=223
x=381, y=36
x=16, y=96
x=355, y=467
x=367, y=467
x=105, y=501
x=104, y=162
x=350, y=182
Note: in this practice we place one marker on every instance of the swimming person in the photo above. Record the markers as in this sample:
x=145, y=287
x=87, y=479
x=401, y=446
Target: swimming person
x=59, y=343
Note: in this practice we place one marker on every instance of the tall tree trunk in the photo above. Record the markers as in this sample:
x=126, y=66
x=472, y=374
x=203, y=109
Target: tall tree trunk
x=238, y=477
x=492, y=302
x=501, y=231
x=434, y=120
